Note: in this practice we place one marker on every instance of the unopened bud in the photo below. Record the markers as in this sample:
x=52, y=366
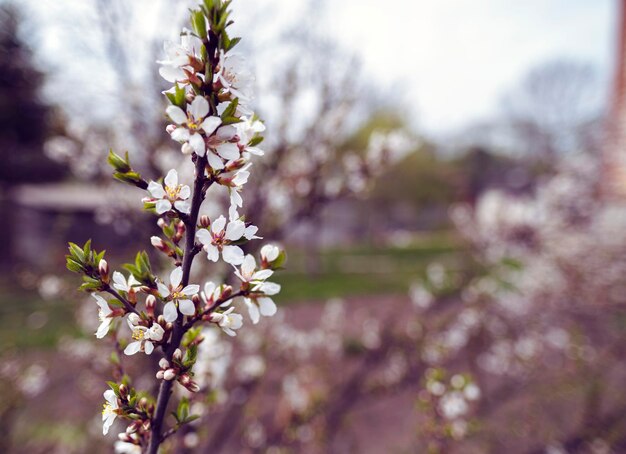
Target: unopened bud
x=150, y=305
x=184, y=379
x=159, y=375
x=235, y=165
x=169, y=375
x=161, y=223
x=143, y=402
x=161, y=320
x=103, y=269
x=178, y=354
x=160, y=245
x=123, y=390
x=180, y=231
x=193, y=387
x=123, y=436
x=133, y=318
x=205, y=221
x=132, y=427
x=170, y=129
x=226, y=292
x=163, y=363
x=196, y=299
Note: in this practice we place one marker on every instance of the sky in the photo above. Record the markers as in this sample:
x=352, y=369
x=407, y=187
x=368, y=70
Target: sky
x=453, y=59
x=449, y=61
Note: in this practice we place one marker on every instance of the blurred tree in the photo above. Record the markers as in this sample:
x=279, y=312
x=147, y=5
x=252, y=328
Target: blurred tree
x=557, y=108
x=23, y=115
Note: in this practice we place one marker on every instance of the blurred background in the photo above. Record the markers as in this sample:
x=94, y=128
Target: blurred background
x=447, y=177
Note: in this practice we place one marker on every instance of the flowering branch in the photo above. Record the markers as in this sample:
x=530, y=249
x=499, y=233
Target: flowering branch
x=216, y=128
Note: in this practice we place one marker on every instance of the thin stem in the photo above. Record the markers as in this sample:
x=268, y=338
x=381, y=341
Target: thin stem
x=201, y=185
x=214, y=306
x=129, y=307
x=165, y=389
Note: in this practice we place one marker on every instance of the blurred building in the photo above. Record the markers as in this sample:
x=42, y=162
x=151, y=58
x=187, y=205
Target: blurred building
x=615, y=150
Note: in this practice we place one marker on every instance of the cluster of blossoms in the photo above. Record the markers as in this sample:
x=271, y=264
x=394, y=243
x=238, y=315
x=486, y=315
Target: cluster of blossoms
x=212, y=120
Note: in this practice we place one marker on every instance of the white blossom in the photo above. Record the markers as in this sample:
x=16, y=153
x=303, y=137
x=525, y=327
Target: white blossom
x=170, y=194
x=122, y=284
x=143, y=337
x=260, y=305
x=180, y=57
x=223, y=145
x=236, y=185
x=228, y=321
x=248, y=272
x=109, y=411
x=218, y=238
x=258, y=302
x=192, y=123
x=123, y=447
x=269, y=253
x=247, y=129
x=178, y=296
x=234, y=76
x=104, y=314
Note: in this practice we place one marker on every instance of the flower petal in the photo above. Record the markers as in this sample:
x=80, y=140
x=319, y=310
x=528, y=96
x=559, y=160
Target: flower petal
x=186, y=307
x=204, y=236
x=184, y=193
x=191, y=289
x=197, y=143
x=163, y=206
x=212, y=253
x=248, y=266
x=148, y=347
x=267, y=306
x=132, y=348
x=180, y=134
x=261, y=275
x=228, y=151
x=103, y=329
x=163, y=290
x=182, y=206
x=215, y=161
x=176, y=114
x=218, y=225
x=210, y=124
x=169, y=312
x=176, y=276
x=199, y=108
x=235, y=230
x=171, y=179
x=253, y=311
x=233, y=255
x=156, y=190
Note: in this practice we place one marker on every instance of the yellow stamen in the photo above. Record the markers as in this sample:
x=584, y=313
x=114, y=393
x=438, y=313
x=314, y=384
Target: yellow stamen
x=138, y=334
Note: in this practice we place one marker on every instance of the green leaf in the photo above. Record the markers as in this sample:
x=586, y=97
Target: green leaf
x=74, y=266
x=230, y=109
x=232, y=43
x=118, y=163
x=77, y=252
x=198, y=23
x=280, y=260
x=255, y=141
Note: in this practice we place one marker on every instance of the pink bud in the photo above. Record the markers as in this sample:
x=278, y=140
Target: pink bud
x=163, y=363
x=159, y=375
x=178, y=354
x=150, y=305
x=103, y=269
x=205, y=221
